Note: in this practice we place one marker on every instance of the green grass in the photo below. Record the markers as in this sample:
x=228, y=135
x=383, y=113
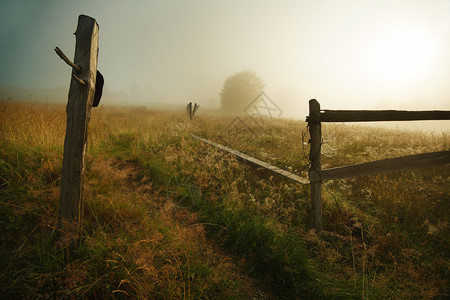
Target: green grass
x=169, y=217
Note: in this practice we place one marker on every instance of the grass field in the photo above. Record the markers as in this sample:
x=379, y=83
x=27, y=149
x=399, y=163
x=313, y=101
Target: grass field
x=169, y=217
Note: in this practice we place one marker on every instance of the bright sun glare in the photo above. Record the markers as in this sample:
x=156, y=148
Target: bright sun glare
x=401, y=55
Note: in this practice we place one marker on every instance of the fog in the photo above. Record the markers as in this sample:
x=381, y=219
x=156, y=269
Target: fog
x=350, y=54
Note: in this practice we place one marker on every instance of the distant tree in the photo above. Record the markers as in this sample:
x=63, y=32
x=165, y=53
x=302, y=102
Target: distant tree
x=239, y=90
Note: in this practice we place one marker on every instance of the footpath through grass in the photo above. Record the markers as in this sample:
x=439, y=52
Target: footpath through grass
x=169, y=217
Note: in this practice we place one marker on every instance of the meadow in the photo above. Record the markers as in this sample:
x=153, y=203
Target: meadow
x=169, y=217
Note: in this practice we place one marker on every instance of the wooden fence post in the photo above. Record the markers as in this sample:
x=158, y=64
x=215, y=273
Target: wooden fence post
x=196, y=106
x=314, y=156
x=78, y=112
x=189, y=110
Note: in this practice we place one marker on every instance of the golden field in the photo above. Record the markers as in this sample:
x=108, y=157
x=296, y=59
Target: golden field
x=169, y=217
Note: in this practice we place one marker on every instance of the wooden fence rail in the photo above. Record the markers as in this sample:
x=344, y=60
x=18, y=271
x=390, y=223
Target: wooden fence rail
x=377, y=115
x=317, y=175
x=255, y=161
x=417, y=161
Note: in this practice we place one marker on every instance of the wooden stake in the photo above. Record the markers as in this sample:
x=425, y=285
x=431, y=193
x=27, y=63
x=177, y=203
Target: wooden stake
x=64, y=58
x=78, y=114
x=196, y=106
x=189, y=110
x=315, y=133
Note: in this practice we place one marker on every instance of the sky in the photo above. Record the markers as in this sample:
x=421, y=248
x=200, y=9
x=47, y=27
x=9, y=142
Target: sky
x=348, y=54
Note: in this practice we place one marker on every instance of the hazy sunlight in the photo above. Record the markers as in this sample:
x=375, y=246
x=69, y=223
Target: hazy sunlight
x=401, y=55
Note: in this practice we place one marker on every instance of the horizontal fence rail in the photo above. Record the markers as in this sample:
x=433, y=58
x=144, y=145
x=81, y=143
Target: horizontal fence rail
x=377, y=115
x=417, y=161
x=317, y=175
x=256, y=162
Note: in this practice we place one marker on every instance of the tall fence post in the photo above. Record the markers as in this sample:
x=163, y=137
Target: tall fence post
x=315, y=133
x=78, y=110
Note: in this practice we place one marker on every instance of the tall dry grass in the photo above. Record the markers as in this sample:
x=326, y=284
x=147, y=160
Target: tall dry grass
x=388, y=233
x=134, y=243
x=171, y=217
x=33, y=124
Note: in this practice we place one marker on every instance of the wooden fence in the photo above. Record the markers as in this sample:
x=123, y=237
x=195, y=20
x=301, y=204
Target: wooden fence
x=317, y=175
x=255, y=162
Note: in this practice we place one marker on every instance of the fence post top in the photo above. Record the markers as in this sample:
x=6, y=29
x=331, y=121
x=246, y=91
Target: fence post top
x=314, y=102
x=85, y=17
x=314, y=108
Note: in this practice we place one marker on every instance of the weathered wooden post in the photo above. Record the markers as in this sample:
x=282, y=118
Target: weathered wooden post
x=196, y=106
x=315, y=133
x=189, y=110
x=78, y=110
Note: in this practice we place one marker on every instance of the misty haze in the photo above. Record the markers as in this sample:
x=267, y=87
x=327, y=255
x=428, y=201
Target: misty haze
x=234, y=150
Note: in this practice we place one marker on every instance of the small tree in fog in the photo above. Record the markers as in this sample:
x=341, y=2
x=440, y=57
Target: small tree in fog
x=239, y=90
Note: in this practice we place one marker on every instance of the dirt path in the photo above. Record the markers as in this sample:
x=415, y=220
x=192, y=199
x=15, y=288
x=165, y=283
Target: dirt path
x=188, y=232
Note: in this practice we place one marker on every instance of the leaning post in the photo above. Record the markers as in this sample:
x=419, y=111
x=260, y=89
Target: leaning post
x=196, y=106
x=315, y=133
x=78, y=110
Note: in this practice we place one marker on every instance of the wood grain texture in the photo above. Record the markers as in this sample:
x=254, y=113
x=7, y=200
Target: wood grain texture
x=417, y=161
x=78, y=112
